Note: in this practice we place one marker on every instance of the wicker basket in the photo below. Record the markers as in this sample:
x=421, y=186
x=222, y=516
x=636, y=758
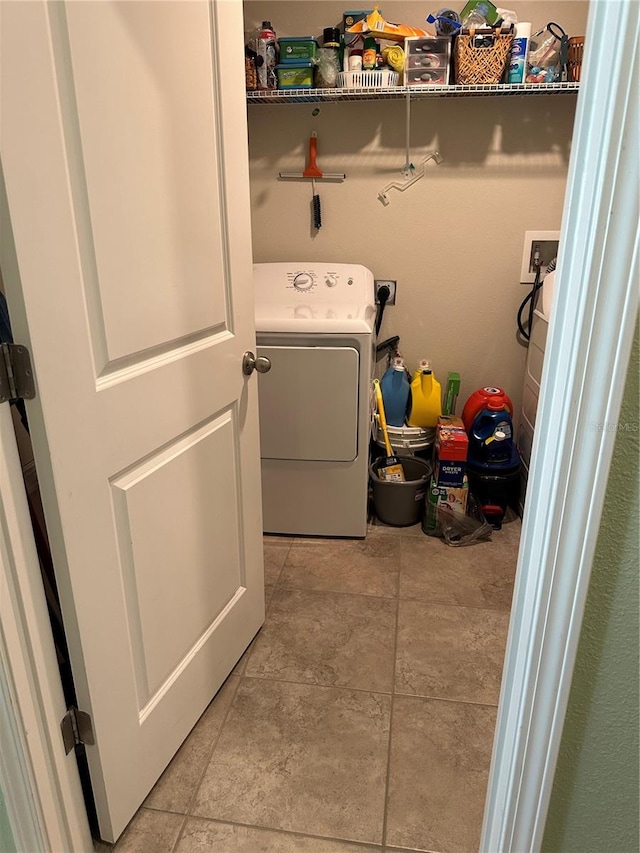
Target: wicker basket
x=574, y=58
x=367, y=79
x=484, y=63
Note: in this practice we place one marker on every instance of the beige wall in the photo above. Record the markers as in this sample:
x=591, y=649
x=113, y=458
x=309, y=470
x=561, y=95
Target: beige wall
x=454, y=240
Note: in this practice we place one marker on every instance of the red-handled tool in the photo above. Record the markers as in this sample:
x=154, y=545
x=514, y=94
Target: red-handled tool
x=312, y=170
x=313, y=173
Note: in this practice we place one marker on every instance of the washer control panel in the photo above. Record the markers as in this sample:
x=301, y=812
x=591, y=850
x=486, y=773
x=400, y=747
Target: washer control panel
x=310, y=279
x=280, y=282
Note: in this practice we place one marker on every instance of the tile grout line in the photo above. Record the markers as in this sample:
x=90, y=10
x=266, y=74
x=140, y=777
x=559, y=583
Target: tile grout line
x=432, y=603
x=283, y=585
x=447, y=699
x=286, y=556
x=315, y=684
x=429, y=601
x=196, y=787
x=291, y=832
x=385, y=807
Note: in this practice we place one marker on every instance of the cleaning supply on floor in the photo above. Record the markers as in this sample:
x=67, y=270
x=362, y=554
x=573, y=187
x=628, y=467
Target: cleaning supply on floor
x=452, y=389
x=493, y=466
x=454, y=500
x=426, y=397
x=395, y=392
x=449, y=486
x=488, y=397
x=390, y=468
x=451, y=450
x=267, y=57
x=400, y=504
x=491, y=436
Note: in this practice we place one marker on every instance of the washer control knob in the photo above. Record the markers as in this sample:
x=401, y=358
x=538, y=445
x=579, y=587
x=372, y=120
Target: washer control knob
x=331, y=281
x=303, y=281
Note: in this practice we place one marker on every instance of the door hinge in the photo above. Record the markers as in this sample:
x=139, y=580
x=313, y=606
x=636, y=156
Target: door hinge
x=16, y=373
x=77, y=729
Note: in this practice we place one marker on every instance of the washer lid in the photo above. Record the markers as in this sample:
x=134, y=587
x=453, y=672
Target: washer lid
x=320, y=317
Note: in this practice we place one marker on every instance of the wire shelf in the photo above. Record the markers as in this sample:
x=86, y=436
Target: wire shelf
x=305, y=96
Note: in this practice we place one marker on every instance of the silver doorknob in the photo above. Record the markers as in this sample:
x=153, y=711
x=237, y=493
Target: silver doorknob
x=250, y=363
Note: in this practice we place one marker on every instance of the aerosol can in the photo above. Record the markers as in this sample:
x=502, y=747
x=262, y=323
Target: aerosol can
x=267, y=57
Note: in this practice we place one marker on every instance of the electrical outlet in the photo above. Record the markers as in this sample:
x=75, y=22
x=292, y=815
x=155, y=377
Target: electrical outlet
x=392, y=290
x=547, y=243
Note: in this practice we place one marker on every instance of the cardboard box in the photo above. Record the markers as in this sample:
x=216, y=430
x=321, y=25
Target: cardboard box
x=451, y=449
x=440, y=497
x=351, y=18
x=450, y=475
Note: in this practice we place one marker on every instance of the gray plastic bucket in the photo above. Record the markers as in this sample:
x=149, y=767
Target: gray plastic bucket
x=401, y=504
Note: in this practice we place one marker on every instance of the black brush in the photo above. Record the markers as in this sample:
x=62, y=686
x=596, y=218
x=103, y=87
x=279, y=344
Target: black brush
x=317, y=212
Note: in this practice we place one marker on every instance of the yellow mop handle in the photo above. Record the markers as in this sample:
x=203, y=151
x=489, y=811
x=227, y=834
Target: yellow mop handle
x=383, y=420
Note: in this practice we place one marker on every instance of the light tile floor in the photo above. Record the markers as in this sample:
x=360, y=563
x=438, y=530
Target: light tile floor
x=361, y=717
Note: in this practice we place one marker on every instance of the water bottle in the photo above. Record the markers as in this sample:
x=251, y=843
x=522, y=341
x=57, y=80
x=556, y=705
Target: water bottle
x=395, y=392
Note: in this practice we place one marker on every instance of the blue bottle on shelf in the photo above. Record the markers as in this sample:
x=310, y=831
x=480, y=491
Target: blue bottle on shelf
x=395, y=392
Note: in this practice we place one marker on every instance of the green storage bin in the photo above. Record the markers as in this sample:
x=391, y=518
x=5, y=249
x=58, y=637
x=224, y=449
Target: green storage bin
x=295, y=75
x=297, y=49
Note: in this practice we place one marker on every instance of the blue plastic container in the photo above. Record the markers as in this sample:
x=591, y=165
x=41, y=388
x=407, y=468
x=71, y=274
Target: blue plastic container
x=395, y=388
x=491, y=437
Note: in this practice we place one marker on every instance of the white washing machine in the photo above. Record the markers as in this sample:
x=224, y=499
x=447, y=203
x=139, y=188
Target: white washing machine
x=315, y=323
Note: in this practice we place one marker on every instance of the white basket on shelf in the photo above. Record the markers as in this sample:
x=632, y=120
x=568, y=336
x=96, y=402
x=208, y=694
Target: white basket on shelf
x=367, y=79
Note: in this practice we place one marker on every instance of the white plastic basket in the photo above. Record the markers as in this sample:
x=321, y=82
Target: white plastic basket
x=367, y=79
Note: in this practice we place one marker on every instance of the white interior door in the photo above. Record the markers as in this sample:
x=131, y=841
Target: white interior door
x=129, y=205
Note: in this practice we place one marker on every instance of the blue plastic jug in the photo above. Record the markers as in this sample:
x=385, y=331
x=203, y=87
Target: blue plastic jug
x=395, y=392
x=491, y=437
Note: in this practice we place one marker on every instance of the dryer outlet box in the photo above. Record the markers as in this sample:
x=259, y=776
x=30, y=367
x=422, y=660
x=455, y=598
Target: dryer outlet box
x=546, y=243
x=392, y=290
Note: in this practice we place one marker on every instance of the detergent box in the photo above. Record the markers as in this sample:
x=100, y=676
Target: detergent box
x=451, y=448
x=443, y=497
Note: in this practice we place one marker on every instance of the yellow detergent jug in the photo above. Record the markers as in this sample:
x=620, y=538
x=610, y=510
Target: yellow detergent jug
x=426, y=397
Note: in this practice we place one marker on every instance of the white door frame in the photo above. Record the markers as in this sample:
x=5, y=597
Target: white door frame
x=40, y=783
x=587, y=356
x=47, y=810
